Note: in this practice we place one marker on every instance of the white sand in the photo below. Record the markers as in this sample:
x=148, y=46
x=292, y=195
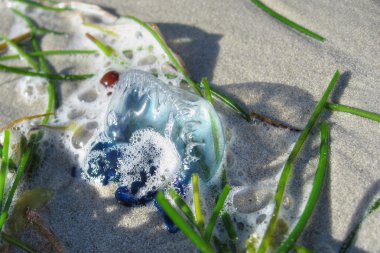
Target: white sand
x=274, y=71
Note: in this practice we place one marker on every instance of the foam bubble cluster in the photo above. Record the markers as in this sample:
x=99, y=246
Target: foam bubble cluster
x=148, y=161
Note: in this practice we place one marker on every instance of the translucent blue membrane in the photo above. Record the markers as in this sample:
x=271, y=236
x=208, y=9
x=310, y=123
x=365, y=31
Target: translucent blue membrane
x=155, y=135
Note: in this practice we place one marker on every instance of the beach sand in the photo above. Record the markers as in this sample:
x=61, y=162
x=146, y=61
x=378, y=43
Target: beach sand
x=272, y=70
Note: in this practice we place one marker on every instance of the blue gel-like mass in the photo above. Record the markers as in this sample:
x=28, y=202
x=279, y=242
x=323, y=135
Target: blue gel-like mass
x=155, y=135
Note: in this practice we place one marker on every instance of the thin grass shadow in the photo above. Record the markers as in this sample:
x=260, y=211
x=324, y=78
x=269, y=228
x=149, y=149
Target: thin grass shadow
x=198, y=49
x=264, y=157
x=341, y=85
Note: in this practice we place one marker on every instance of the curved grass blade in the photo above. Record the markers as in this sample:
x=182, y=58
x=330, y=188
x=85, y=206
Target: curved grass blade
x=41, y=30
x=52, y=94
x=207, y=89
x=181, y=204
x=285, y=175
x=229, y=225
x=21, y=53
x=107, y=50
x=351, y=236
x=46, y=75
x=214, y=129
x=197, y=203
x=52, y=97
x=354, y=111
x=22, y=119
x=20, y=244
x=215, y=135
x=12, y=165
x=25, y=160
x=4, y=165
x=220, y=246
x=215, y=213
x=41, y=6
x=17, y=40
x=198, y=241
x=168, y=52
x=286, y=21
x=28, y=21
x=100, y=28
x=288, y=243
x=35, y=29
x=50, y=52
x=232, y=104
x=196, y=86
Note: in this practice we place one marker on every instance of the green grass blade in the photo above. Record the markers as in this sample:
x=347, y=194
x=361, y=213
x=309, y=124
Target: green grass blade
x=300, y=249
x=215, y=213
x=220, y=246
x=15, y=242
x=100, y=28
x=198, y=241
x=286, y=21
x=41, y=6
x=25, y=160
x=351, y=236
x=50, y=52
x=354, y=111
x=28, y=21
x=168, y=52
x=207, y=89
x=19, y=71
x=181, y=204
x=214, y=129
x=63, y=52
x=196, y=86
x=52, y=97
x=21, y=53
x=215, y=137
x=42, y=31
x=107, y=50
x=287, y=244
x=285, y=175
x=9, y=57
x=197, y=203
x=4, y=165
x=52, y=94
x=229, y=225
x=232, y=104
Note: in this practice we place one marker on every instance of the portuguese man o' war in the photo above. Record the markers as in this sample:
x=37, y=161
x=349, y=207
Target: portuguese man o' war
x=155, y=135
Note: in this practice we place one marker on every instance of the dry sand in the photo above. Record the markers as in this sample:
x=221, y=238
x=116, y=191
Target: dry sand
x=271, y=70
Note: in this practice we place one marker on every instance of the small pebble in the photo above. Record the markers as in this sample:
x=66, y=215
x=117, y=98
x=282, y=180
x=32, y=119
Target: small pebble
x=110, y=79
